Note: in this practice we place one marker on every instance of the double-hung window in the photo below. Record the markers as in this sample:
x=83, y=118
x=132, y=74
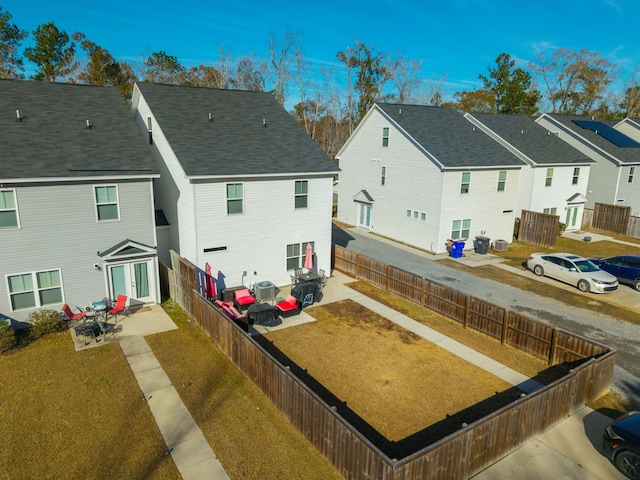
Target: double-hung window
x=35, y=289
x=234, y=198
x=301, y=193
x=576, y=176
x=466, y=182
x=8, y=209
x=107, y=202
x=502, y=180
x=550, y=211
x=383, y=176
x=549, y=178
x=632, y=172
x=385, y=137
x=460, y=228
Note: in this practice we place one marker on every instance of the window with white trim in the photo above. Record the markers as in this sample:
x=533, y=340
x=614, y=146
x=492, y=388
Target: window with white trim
x=234, y=198
x=296, y=253
x=383, y=176
x=301, y=193
x=8, y=209
x=385, y=136
x=35, y=289
x=502, y=180
x=549, y=177
x=460, y=228
x=409, y=212
x=550, y=211
x=576, y=176
x=107, y=202
x=632, y=172
x=466, y=182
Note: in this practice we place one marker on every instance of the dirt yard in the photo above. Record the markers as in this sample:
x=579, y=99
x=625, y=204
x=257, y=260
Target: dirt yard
x=400, y=390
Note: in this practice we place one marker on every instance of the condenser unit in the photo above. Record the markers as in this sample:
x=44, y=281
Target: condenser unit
x=501, y=245
x=265, y=290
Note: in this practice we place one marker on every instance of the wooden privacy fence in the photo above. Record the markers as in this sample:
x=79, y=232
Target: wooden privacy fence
x=538, y=228
x=616, y=224
x=460, y=455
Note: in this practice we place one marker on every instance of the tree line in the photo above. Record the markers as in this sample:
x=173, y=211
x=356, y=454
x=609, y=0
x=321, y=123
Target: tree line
x=558, y=81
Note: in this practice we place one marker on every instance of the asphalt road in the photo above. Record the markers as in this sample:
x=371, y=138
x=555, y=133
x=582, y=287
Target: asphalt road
x=623, y=336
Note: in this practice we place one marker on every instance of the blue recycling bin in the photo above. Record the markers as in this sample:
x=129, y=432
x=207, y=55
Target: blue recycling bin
x=456, y=249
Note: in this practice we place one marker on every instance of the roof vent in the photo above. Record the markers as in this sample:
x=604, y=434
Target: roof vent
x=18, y=117
x=210, y=117
x=89, y=125
x=521, y=132
x=400, y=112
x=264, y=122
x=474, y=128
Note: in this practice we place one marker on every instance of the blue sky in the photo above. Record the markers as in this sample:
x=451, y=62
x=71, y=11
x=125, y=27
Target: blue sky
x=457, y=38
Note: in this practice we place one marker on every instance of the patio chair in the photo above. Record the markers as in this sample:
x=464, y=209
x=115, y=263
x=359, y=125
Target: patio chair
x=323, y=278
x=243, y=298
x=298, y=271
x=119, y=307
x=81, y=315
x=108, y=328
x=294, y=281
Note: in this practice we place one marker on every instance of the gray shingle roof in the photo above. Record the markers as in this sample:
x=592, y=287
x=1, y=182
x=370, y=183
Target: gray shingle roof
x=532, y=139
x=625, y=155
x=51, y=140
x=235, y=142
x=448, y=136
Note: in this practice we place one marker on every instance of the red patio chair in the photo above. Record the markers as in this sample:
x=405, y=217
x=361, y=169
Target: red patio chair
x=119, y=307
x=81, y=315
x=243, y=299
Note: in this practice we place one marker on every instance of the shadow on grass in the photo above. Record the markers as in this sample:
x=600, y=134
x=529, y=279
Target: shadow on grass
x=425, y=437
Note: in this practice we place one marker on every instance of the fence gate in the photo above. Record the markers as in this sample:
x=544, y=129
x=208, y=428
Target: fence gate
x=611, y=218
x=538, y=228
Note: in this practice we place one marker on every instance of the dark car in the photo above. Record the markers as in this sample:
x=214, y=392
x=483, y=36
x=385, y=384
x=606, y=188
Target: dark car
x=621, y=443
x=626, y=268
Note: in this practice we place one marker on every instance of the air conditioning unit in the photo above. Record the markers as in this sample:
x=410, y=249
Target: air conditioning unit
x=501, y=245
x=265, y=290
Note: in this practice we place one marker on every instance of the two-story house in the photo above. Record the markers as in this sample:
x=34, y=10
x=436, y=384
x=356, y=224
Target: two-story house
x=425, y=175
x=242, y=186
x=556, y=175
x=76, y=199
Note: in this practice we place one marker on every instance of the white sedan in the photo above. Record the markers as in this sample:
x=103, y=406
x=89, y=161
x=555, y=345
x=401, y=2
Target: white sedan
x=574, y=270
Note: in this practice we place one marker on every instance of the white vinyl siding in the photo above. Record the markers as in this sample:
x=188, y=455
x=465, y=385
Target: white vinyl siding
x=8, y=209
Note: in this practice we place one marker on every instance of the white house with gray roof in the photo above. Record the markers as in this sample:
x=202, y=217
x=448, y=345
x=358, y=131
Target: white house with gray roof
x=614, y=174
x=424, y=175
x=242, y=186
x=556, y=175
x=76, y=200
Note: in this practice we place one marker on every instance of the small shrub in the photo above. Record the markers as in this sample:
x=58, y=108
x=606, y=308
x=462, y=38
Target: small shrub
x=43, y=322
x=561, y=228
x=7, y=336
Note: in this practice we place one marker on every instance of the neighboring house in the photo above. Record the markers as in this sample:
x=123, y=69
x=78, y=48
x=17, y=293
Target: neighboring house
x=555, y=181
x=242, y=186
x=423, y=175
x=76, y=199
x=613, y=176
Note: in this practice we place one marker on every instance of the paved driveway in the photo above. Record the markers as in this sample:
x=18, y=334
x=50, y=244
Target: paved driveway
x=623, y=336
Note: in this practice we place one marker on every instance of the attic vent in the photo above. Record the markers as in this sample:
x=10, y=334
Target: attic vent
x=88, y=125
x=210, y=117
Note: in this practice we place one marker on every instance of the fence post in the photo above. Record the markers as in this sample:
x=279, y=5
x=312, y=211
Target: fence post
x=552, y=348
x=467, y=308
x=505, y=326
x=386, y=273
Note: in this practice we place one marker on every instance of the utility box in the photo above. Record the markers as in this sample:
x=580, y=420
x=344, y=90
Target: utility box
x=501, y=245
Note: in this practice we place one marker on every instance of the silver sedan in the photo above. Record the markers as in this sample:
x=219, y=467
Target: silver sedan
x=574, y=270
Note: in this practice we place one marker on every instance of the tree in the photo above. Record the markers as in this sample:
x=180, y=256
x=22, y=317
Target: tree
x=280, y=58
x=576, y=82
x=404, y=77
x=475, y=101
x=163, y=68
x=249, y=75
x=11, y=63
x=511, y=87
x=432, y=93
x=53, y=53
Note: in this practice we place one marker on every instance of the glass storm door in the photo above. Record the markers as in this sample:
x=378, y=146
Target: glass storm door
x=364, y=217
x=572, y=216
x=132, y=280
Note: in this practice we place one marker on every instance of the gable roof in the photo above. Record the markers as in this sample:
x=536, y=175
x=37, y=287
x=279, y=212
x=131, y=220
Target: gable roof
x=532, y=139
x=249, y=134
x=619, y=154
x=51, y=140
x=449, y=137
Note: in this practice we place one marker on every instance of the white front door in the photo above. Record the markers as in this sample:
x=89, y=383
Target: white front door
x=364, y=215
x=133, y=280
